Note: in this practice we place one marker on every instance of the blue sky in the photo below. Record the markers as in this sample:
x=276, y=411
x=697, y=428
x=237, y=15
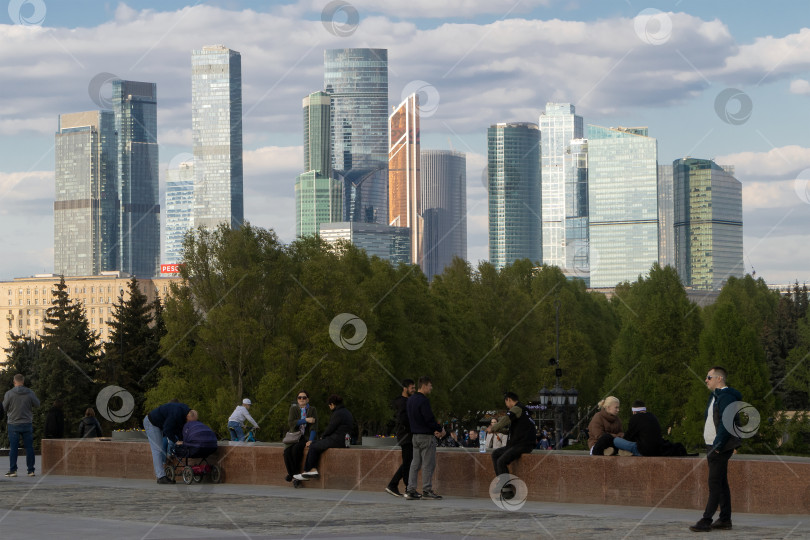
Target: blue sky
x=490, y=61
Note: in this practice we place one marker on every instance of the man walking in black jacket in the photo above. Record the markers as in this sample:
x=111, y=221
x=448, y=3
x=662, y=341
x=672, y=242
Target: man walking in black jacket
x=522, y=434
x=424, y=429
x=334, y=436
x=403, y=435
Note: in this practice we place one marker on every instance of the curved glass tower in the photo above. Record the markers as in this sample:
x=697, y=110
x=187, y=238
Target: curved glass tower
x=357, y=82
x=444, y=208
x=513, y=185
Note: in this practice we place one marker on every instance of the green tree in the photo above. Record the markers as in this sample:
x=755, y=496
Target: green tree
x=66, y=368
x=131, y=354
x=657, y=342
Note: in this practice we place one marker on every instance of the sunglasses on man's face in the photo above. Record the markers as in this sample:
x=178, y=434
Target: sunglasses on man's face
x=710, y=377
x=303, y=397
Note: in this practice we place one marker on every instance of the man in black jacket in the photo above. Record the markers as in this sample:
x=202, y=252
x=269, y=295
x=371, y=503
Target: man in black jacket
x=720, y=445
x=334, y=436
x=643, y=435
x=164, y=421
x=522, y=434
x=424, y=430
x=403, y=435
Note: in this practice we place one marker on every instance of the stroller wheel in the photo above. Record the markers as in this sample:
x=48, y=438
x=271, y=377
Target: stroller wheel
x=188, y=475
x=169, y=472
x=216, y=474
x=197, y=478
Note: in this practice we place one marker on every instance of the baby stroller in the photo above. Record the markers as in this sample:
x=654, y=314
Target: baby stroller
x=179, y=462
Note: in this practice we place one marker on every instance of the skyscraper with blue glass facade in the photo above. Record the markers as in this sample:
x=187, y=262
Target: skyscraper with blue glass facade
x=216, y=131
x=179, y=210
x=513, y=188
x=86, y=206
x=565, y=190
x=135, y=110
x=357, y=83
x=444, y=208
x=622, y=203
x=708, y=223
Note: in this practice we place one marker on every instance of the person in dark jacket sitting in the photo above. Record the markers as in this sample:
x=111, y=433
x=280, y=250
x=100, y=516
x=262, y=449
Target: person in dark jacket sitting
x=334, y=436
x=89, y=426
x=522, y=434
x=55, y=422
x=643, y=436
x=164, y=421
x=196, y=436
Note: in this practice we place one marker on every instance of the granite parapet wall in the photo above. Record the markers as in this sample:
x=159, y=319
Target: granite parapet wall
x=758, y=485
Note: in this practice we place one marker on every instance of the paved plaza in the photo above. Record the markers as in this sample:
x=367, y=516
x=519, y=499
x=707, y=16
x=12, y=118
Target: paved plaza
x=96, y=508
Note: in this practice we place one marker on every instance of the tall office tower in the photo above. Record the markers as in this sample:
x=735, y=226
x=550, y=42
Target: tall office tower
x=444, y=208
x=388, y=243
x=558, y=126
x=623, y=204
x=666, y=216
x=708, y=223
x=318, y=193
x=404, y=184
x=513, y=186
x=135, y=109
x=179, y=210
x=577, y=220
x=357, y=82
x=216, y=131
x=85, y=212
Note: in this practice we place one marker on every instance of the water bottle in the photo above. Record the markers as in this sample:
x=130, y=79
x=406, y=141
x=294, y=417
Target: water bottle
x=482, y=441
x=348, y=440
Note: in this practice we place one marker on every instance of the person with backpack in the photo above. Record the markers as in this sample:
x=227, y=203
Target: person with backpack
x=720, y=445
x=522, y=434
x=89, y=427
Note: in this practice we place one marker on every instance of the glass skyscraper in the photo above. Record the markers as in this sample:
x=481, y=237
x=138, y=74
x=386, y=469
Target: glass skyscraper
x=623, y=204
x=404, y=187
x=513, y=186
x=562, y=189
x=577, y=220
x=216, y=130
x=179, y=209
x=708, y=223
x=86, y=205
x=318, y=193
x=444, y=208
x=357, y=82
x=666, y=216
x=135, y=110
x=388, y=243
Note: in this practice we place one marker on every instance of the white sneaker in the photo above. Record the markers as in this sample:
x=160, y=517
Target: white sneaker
x=300, y=477
x=311, y=474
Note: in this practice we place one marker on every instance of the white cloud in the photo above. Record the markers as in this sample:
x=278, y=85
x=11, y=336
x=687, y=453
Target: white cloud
x=780, y=163
x=416, y=9
x=770, y=57
x=800, y=86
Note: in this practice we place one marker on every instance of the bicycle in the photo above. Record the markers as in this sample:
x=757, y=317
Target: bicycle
x=249, y=436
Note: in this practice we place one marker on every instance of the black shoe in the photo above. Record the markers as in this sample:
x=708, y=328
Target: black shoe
x=393, y=491
x=430, y=494
x=165, y=480
x=704, y=525
x=412, y=495
x=721, y=525
x=288, y=478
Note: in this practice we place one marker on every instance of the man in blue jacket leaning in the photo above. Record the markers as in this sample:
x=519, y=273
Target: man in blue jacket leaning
x=164, y=421
x=720, y=445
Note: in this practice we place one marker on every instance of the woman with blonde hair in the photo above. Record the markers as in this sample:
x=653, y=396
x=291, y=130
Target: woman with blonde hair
x=604, y=426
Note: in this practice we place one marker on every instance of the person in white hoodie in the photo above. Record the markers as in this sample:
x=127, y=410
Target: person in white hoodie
x=19, y=403
x=236, y=422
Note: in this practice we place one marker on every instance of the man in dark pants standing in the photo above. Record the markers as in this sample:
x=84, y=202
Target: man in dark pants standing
x=403, y=435
x=522, y=434
x=720, y=445
x=19, y=404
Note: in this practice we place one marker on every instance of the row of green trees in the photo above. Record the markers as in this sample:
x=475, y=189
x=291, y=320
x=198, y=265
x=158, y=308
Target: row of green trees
x=251, y=318
x=66, y=364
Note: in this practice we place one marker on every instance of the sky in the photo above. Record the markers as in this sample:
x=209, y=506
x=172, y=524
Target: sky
x=728, y=81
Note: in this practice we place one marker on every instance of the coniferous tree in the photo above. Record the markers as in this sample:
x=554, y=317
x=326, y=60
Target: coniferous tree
x=131, y=354
x=67, y=367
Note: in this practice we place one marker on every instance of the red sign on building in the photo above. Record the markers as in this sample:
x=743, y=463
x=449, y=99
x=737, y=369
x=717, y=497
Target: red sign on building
x=170, y=268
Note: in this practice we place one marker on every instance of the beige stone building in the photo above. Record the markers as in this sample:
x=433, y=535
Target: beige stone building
x=24, y=301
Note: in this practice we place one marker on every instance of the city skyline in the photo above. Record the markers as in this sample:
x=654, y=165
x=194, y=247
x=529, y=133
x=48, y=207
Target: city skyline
x=673, y=80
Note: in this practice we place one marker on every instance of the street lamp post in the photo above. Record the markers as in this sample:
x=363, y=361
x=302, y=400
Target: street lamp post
x=559, y=399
